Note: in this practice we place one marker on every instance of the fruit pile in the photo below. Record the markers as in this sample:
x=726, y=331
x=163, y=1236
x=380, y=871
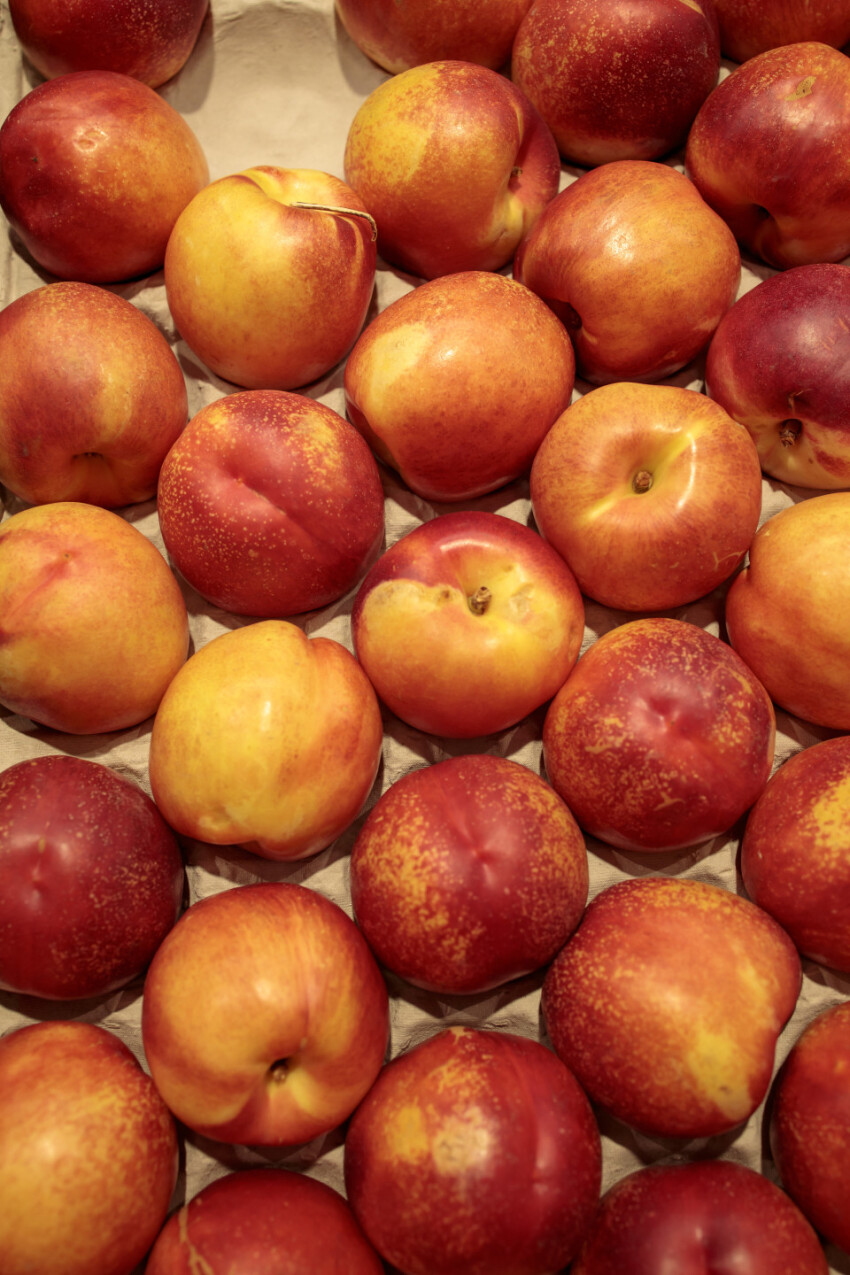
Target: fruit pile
x=424, y=614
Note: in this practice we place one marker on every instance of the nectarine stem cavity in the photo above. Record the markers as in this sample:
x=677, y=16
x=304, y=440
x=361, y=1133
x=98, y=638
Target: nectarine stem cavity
x=571, y=317
x=789, y=432
x=278, y=1071
x=344, y=212
x=479, y=600
x=642, y=481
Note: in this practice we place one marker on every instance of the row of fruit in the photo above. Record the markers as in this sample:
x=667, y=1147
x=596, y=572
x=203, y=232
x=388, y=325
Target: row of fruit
x=404, y=673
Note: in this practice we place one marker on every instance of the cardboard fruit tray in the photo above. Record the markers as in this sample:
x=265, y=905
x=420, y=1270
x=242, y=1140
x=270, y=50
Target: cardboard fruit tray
x=279, y=83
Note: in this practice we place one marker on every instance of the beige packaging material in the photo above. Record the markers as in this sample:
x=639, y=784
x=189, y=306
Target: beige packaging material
x=278, y=83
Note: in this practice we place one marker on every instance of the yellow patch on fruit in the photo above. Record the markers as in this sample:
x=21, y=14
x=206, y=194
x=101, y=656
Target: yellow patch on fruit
x=508, y=223
x=758, y=992
x=830, y=816
x=803, y=89
x=393, y=357
x=410, y=599
x=713, y=1061
x=407, y=1137
x=395, y=116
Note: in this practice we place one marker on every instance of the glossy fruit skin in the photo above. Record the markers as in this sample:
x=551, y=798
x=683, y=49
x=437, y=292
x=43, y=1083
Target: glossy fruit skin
x=73, y=138
x=88, y=1152
x=270, y=504
x=766, y=152
x=787, y=612
x=265, y=1018
x=255, y=704
x=660, y=738
x=475, y=1153
x=779, y=363
x=636, y=265
x=810, y=1123
x=269, y=275
x=93, y=625
x=264, y=1222
x=468, y=873
x=455, y=165
x=150, y=42
x=667, y=1004
x=795, y=852
x=447, y=663
x=650, y=496
x=583, y=64
x=91, y=397
x=456, y=383
x=709, y=1215
x=91, y=878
